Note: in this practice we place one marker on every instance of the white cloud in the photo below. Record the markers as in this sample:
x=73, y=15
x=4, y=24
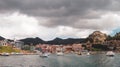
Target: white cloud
x=16, y=25
x=65, y=31
x=106, y=24
x=110, y=21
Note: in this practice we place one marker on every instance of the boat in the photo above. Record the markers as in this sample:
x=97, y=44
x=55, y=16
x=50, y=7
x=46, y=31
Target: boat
x=85, y=52
x=88, y=54
x=79, y=53
x=110, y=53
x=44, y=55
x=14, y=53
x=5, y=54
x=60, y=54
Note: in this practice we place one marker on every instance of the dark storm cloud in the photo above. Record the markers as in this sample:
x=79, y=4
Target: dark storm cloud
x=61, y=12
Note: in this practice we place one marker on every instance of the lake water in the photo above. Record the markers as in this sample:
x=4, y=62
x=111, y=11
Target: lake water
x=69, y=60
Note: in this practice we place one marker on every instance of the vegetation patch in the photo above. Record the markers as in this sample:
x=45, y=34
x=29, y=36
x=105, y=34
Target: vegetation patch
x=8, y=49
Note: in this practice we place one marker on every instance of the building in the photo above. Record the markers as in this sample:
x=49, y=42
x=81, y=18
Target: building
x=4, y=42
x=77, y=47
x=18, y=44
x=68, y=49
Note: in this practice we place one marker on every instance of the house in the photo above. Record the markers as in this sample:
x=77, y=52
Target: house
x=77, y=47
x=18, y=44
x=68, y=48
x=4, y=42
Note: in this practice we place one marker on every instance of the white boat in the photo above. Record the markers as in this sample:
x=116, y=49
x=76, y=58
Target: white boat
x=14, y=53
x=5, y=54
x=88, y=53
x=60, y=53
x=110, y=53
x=44, y=54
x=48, y=53
x=78, y=53
x=85, y=52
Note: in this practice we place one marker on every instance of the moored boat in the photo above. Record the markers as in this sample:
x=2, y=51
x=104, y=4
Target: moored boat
x=79, y=53
x=88, y=53
x=85, y=52
x=110, y=53
x=43, y=54
x=60, y=54
x=59, y=51
x=5, y=54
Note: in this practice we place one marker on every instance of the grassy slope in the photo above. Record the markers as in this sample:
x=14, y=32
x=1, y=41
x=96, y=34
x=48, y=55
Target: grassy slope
x=8, y=49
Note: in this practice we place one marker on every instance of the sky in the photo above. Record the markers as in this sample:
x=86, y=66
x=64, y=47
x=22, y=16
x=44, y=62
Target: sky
x=49, y=19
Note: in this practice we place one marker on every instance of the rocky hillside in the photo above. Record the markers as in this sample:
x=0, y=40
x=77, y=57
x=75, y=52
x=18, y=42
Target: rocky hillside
x=97, y=37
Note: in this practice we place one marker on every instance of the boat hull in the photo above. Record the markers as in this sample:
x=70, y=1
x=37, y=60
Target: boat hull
x=60, y=54
x=5, y=54
x=44, y=55
x=110, y=54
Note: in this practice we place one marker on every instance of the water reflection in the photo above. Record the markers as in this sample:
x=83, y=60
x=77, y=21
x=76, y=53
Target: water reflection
x=69, y=60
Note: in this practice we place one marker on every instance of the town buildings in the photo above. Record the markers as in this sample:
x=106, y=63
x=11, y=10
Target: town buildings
x=4, y=43
x=15, y=44
x=57, y=48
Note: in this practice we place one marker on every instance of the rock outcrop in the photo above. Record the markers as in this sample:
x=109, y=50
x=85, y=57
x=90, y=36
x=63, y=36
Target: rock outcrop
x=97, y=37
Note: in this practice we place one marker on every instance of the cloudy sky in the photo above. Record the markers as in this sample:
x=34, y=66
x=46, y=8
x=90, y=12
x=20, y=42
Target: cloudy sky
x=49, y=19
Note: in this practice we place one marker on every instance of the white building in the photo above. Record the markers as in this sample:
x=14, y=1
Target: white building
x=4, y=42
x=18, y=44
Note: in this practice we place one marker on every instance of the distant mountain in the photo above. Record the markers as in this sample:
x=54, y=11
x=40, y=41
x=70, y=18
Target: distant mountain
x=57, y=41
x=10, y=40
x=2, y=38
x=66, y=41
x=33, y=41
x=96, y=37
x=77, y=40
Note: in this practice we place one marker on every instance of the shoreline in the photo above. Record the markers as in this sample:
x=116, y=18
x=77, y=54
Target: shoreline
x=91, y=53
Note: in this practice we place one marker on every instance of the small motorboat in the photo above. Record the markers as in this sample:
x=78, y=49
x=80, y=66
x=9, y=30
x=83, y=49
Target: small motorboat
x=88, y=54
x=44, y=55
x=60, y=54
x=79, y=53
x=5, y=54
x=60, y=51
x=110, y=53
x=85, y=53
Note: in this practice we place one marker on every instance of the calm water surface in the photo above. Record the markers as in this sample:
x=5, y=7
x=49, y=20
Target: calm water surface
x=69, y=60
